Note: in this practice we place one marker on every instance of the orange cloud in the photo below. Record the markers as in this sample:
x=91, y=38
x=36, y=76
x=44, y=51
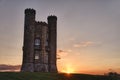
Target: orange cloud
x=62, y=53
x=84, y=44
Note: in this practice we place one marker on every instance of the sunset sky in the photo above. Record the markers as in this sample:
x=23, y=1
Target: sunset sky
x=88, y=33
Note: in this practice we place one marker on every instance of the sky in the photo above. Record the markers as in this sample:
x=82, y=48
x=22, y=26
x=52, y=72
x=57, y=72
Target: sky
x=88, y=31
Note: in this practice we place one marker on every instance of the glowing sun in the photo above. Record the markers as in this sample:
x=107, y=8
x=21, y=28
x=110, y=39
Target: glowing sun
x=68, y=69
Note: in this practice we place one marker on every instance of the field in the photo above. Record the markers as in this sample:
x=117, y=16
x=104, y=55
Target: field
x=50, y=76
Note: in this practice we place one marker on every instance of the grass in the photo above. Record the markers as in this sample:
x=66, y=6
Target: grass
x=50, y=76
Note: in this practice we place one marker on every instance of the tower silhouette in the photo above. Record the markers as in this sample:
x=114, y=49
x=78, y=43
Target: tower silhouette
x=40, y=44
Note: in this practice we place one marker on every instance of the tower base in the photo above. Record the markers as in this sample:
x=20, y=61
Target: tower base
x=53, y=68
x=27, y=67
x=40, y=67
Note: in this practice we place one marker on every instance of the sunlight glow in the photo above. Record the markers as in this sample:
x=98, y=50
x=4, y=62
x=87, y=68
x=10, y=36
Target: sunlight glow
x=69, y=69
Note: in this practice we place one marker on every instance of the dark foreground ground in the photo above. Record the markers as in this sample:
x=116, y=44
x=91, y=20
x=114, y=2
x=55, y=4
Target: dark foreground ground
x=51, y=76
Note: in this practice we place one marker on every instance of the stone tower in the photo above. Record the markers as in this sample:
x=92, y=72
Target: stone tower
x=40, y=44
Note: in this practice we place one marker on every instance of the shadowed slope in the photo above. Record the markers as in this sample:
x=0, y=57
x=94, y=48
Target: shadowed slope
x=50, y=76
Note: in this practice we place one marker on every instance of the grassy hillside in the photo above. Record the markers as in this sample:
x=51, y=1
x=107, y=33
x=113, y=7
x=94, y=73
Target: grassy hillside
x=50, y=76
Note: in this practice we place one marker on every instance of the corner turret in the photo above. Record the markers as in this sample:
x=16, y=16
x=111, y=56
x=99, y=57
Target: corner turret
x=52, y=28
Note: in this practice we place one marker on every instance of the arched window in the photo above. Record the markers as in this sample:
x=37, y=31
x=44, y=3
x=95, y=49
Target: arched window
x=37, y=42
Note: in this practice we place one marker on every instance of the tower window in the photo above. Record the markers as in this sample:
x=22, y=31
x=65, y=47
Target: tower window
x=36, y=56
x=37, y=42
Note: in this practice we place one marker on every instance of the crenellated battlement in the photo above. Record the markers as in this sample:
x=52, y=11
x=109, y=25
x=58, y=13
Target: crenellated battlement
x=41, y=23
x=52, y=17
x=30, y=11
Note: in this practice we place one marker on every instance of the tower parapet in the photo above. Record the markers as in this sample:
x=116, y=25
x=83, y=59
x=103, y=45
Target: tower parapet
x=52, y=18
x=30, y=11
x=41, y=22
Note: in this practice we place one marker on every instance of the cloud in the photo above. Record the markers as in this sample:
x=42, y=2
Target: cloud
x=63, y=53
x=84, y=44
x=9, y=68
